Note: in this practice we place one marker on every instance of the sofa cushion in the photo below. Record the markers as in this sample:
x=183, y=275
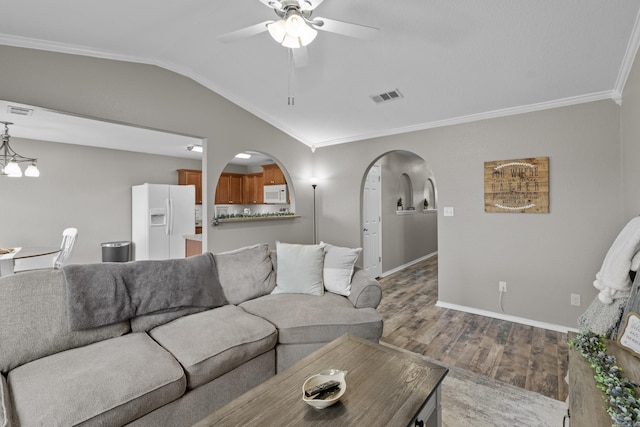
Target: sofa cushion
x=107, y=383
x=299, y=269
x=245, y=273
x=312, y=319
x=212, y=343
x=147, y=322
x=33, y=319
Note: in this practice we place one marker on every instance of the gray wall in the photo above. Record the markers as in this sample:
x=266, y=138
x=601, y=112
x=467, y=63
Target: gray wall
x=543, y=257
x=630, y=136
x=83, y=187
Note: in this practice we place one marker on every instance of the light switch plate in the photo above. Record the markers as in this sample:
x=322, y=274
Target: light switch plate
x=448, y=211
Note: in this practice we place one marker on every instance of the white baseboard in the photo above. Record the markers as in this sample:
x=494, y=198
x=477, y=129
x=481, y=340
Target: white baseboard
x=402, y=267
x=507, y=317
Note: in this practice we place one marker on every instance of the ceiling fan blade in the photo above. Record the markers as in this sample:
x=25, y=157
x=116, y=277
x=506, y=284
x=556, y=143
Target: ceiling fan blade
x=345, y=28
x=244, y=32
x=273, y=4
x=309, y=4
x=300, y=57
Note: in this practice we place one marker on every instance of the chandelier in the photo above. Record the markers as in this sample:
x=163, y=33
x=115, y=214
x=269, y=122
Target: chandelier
x=9, y=159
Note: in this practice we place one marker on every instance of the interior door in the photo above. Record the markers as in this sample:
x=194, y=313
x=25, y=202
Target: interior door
x=372, y=216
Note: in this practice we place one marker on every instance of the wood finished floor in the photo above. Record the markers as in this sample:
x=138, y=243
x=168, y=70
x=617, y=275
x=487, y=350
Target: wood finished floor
x=528, y=357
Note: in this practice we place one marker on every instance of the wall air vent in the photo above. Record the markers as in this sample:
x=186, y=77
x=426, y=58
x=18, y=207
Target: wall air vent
x=387, y=96
x=20, y=111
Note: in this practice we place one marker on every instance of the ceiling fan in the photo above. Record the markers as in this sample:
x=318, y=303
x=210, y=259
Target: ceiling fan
x=296, y=29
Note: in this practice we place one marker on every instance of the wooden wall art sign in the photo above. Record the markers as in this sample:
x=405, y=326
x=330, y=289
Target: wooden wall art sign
x=517, y=186
x=629, y=334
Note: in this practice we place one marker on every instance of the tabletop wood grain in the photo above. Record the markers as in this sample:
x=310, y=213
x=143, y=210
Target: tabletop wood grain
x=384, y=387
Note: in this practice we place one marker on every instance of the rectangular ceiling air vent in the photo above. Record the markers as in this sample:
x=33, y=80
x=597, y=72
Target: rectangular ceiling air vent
x=20, y=111
x=387, y=96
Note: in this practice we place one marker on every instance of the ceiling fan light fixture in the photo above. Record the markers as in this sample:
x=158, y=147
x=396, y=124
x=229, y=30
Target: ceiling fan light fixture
x=277, y=30
x=295, y=25
x=292, y=32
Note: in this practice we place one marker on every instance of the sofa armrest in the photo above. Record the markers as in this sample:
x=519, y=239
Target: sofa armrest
x=5, y=404
x=365, y=290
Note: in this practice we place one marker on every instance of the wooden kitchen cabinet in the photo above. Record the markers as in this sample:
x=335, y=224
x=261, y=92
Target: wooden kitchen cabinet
x=229, y=189
x=253, y=188
x=192, y=177
x=193, y=247
x=273, y=175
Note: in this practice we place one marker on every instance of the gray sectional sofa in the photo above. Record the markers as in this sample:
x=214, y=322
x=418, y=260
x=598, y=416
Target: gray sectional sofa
x=170, y=367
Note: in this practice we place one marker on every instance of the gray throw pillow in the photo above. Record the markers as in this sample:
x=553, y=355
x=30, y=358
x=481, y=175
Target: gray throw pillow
x=245, y=273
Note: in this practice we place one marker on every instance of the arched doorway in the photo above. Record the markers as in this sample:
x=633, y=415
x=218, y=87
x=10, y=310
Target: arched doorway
x=397, y=229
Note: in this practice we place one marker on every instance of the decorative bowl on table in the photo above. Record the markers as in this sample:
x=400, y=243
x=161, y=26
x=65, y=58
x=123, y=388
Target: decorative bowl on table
x=324, y=400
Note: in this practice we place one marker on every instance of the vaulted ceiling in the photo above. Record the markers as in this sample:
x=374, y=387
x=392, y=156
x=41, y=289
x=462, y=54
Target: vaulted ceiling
x=452, y=60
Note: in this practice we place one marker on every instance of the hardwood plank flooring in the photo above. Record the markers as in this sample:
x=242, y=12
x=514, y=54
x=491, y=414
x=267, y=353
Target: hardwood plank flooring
x=532, y=358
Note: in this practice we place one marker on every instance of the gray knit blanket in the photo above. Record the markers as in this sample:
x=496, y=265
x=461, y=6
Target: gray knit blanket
x=603, y=319
x=106, y=293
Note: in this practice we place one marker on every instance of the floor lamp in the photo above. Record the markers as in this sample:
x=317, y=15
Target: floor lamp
x=315, y=240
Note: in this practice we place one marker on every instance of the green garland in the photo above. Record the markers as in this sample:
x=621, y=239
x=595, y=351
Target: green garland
x=620, y=393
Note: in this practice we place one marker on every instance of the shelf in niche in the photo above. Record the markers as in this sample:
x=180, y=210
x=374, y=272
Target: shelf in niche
x=428, y=211
x=406, y=212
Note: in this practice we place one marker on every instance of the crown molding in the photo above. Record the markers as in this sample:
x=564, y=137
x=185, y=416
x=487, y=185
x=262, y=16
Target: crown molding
x=627, y=61
x=564, y=102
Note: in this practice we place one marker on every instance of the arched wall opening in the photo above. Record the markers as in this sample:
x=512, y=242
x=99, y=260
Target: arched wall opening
x=253, y=184
x=393, y=236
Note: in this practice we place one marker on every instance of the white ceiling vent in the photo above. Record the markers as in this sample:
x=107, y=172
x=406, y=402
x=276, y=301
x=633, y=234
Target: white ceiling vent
x=20, y=111
x=387, y=96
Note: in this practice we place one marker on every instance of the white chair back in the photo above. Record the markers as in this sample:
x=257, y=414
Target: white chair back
x=56, y=260
x=68, y=239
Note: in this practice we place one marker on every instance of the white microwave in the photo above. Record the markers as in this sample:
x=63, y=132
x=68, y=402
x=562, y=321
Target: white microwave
x=275, y=193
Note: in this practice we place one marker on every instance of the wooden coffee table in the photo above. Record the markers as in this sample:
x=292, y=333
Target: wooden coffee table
x=385, y=387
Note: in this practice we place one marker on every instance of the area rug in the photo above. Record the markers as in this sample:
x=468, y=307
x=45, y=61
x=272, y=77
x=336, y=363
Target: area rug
x=473, y=400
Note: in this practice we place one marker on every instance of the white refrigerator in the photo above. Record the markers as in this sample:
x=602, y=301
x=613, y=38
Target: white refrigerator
x=161, y=216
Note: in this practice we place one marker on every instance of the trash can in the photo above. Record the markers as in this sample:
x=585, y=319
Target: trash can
x=115, y=251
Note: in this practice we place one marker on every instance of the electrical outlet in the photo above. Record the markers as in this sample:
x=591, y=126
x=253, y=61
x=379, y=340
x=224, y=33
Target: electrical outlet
x=575, y=299
x=502, y=286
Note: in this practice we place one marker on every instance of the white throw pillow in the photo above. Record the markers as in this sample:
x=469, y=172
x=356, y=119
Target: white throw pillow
x=339, y=264
x=299, y=269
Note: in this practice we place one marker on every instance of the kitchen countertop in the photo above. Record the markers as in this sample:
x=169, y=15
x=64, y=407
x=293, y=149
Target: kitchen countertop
x=196, y=237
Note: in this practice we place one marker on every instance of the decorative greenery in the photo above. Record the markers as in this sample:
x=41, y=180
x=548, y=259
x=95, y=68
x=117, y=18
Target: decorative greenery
x=620, y=393
x=425, y=203
x=399, y=204
x=215, y=221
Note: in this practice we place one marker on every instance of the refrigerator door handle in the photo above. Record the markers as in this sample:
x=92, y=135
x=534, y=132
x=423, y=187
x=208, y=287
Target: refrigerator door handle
x=167, y=226
x=171, y=216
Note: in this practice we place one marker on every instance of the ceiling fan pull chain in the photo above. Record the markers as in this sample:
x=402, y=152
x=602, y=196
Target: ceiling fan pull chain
x=291, y=98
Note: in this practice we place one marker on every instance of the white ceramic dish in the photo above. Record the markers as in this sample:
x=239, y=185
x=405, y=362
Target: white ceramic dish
x=324, y=376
